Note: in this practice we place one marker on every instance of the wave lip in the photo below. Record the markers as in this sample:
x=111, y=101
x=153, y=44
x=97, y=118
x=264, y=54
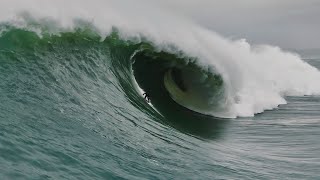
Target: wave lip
x=255, y=78
x=196, y=90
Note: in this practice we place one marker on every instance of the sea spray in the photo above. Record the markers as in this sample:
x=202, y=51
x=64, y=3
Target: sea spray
x=256, y=77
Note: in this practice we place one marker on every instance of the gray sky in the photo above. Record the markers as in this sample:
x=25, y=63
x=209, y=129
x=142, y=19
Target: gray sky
x=286, y=23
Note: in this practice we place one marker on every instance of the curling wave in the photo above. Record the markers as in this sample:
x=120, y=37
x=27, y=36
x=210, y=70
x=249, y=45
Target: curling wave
x=198, y=69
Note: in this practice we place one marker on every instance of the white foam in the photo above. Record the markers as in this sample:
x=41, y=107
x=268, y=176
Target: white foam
x=257, y=77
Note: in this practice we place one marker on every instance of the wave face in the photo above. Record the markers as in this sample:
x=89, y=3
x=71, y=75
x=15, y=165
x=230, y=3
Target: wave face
x=72, y=79
x=254, y=78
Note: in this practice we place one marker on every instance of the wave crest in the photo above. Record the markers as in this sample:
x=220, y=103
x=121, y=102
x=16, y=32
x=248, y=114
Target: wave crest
x=256, y=78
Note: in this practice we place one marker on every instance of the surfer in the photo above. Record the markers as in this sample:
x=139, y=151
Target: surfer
x=146, y=97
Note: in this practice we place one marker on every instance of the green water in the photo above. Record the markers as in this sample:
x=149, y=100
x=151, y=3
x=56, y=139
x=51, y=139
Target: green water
x=69, y=109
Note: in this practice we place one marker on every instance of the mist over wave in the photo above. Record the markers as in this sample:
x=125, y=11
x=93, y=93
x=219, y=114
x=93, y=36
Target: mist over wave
x=256, y=77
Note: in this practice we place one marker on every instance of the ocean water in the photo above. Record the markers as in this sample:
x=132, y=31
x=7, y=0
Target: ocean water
x=72, y=105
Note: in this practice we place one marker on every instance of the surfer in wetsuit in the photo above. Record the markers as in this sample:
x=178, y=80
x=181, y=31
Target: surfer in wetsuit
x=146, y=97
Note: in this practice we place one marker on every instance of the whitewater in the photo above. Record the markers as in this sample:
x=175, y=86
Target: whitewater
x=257, y=77
x=73, y=76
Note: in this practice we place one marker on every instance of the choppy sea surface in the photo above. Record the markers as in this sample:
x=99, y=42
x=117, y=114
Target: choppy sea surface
x=73, y=76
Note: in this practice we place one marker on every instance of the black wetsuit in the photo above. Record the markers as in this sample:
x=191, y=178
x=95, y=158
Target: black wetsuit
x=146, y=96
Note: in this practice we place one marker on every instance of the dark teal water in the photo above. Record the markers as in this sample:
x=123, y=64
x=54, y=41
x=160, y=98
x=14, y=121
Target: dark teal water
x=69, y=110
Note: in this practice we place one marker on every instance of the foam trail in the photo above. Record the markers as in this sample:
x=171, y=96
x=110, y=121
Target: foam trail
x=256, y=77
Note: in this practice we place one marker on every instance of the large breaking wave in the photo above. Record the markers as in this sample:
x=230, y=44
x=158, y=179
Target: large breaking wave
x=197, y=68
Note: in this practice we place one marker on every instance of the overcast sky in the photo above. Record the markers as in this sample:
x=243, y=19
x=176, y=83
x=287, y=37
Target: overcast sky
x=286, y=23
